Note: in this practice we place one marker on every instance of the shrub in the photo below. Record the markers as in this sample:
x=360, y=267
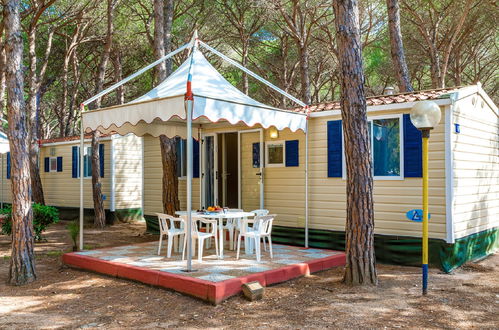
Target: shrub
x=43, y=216
x=74, y=229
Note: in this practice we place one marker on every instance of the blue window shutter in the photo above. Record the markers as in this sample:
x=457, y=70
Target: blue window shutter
x=178, y=147
x=59, y=164
x=47, y=164
x=74, y=163
x=334, y=149
x=101, y=159
x=8, y=165
x=292, y=153
x=195, y=158
x=413, y=150
x=256, y=154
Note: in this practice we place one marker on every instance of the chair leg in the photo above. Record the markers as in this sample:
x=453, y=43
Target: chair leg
x=257, y=248
x=231, y=239
x=181, y=239
x=264, y=245
x=270, y=247
x=160, y=242
x=216, y=246
x=170, y=246
x=238, y=245
x=200, y=249
x=184, y=248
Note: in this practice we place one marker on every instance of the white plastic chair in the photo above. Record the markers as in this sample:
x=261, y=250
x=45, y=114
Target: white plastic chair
x=231, y=225
x=258, y=213
x=201, y=236
x=264, y=225
x=169, y=230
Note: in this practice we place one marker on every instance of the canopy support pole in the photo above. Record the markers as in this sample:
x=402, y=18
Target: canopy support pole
x=136, y=74
x=82, y=136
x=306, y=186
x=189, y=185
x=251, y=73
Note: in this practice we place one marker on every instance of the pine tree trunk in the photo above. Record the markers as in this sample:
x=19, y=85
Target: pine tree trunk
x=360, y=264
x=397, y=47
x=3, y=61
x=159, y=41
x=22, y=263
x=100, y=214
x=163, y=20
x=170, y=181
x=33, y=104
x=305, y=74
x=168, y=16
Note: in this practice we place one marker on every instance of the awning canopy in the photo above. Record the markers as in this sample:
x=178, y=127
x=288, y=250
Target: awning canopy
x=162, y=110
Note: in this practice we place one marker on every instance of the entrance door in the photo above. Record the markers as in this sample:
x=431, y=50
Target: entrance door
x=251, y=187
x=209, y=172
x=227, y=167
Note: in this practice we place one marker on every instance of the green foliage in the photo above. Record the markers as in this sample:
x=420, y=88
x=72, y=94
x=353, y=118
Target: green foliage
x=43, y=216
x=74, y=229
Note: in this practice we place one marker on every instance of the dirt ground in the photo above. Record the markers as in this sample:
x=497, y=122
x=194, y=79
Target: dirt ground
x=68, y=298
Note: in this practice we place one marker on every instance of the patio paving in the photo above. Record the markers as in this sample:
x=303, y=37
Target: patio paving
x=214, y=279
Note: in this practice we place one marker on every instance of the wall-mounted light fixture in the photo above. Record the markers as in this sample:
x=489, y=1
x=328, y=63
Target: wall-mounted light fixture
x=273, y=133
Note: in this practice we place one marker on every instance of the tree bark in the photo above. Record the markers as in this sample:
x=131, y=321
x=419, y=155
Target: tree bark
x=159, y=40
x=100, y=214
x=3, y=61
x=397, y=47
x=170, y=181
x=22, y=263
x=163, y=20
x=168, y=16
x=360, y=264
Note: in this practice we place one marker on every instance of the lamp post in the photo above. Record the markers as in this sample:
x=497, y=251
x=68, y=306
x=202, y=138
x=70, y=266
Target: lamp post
x=425, y=115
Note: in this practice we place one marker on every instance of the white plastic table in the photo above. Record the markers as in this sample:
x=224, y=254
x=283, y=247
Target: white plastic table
x=219, y=216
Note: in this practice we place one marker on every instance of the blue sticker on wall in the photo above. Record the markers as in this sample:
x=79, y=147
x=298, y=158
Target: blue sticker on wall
x=104, y=197
x=416, y=215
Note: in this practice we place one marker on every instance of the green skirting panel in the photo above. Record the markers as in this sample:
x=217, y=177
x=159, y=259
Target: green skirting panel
x=126, y=215
x=397, y=250
x=401, y=250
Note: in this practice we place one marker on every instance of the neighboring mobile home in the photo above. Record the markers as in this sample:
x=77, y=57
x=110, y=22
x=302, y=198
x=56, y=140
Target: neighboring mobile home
x=121, y=175
x=464, y=176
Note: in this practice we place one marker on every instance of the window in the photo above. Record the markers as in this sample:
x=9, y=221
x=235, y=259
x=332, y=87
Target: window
x=386, y=140
x=53, y=164
x=385, y=147
x=87, y=162
x=275, y=153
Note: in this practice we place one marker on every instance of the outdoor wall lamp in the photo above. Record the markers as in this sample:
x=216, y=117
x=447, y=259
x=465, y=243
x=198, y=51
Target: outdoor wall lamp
x=425, y=115
x=274, y=133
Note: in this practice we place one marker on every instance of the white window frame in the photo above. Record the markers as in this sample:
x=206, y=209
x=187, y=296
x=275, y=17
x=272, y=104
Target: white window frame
x=401, y=140
x=50, y=164
x=267, y=158
x=85, y=153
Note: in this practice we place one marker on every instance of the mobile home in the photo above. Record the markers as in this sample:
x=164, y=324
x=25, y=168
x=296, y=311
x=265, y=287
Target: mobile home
x=464, y=176
x=121, y=175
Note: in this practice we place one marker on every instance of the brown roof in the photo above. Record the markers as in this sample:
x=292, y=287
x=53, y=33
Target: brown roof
x=387, y=99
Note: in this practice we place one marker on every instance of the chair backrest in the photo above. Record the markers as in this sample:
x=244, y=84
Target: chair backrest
x=195, y=220
x=163, y=222
x=260, y=212
x=265, y=224
x=165, y=218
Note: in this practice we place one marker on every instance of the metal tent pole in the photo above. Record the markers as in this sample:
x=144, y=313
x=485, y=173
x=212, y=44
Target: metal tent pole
x=82, y=136
x=2, y=180
x=189, y=185
x=306, y=185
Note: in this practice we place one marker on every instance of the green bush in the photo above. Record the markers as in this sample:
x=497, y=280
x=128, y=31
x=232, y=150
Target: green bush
x=74, y=229
x=43, y=216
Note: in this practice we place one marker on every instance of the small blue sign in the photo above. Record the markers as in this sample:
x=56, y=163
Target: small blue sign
x=416, y=215
x=104, y=197
x=457, y=128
